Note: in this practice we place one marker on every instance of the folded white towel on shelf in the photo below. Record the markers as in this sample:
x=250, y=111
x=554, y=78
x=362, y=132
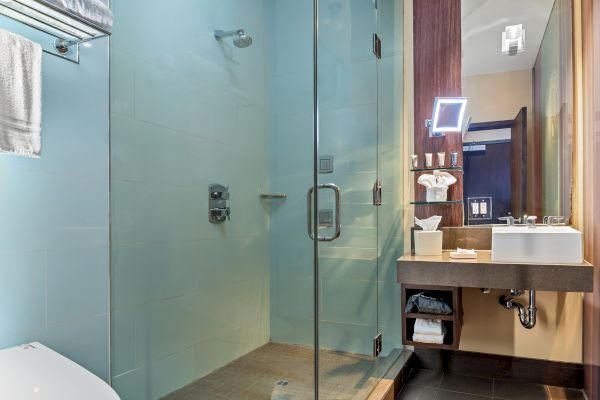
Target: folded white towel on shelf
x=94, y=11
x=428, y=326
x=20, y=95
x=433, y=339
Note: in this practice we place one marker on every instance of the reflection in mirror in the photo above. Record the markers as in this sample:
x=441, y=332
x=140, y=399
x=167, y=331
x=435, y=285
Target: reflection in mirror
x=518, y=150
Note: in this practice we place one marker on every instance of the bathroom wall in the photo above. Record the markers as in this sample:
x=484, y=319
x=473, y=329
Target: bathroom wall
x=54, y=285
x=490, y=329
x=512, y=90
x=350, y=278
x=186, y=111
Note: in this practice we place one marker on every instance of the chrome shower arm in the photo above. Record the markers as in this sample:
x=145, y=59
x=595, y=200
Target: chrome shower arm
x=219, y=34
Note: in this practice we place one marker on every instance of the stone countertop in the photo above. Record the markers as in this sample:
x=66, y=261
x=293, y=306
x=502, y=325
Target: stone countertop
x=483, y=273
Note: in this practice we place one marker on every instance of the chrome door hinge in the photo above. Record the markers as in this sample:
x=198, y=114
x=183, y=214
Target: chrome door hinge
x=377, y=345
x=377, y=46
x=377, y=193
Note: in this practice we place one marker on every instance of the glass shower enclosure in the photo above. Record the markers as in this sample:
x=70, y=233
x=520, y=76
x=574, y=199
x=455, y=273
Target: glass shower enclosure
x=256, y=177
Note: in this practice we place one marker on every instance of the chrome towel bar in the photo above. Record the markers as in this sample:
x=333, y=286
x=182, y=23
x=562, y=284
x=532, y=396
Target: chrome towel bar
x=273, y=196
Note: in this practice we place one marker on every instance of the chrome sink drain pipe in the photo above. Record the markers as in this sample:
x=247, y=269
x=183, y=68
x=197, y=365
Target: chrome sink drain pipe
x=527, y=316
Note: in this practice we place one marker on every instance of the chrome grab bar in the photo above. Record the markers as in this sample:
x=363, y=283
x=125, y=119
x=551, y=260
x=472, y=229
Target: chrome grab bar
x=272, y=196
x=338, y=220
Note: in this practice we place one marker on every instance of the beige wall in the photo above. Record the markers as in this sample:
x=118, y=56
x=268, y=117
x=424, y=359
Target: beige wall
x=500, y=96
x=488, y=328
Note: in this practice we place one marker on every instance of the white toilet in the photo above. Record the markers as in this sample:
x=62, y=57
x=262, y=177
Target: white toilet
x=33, y=371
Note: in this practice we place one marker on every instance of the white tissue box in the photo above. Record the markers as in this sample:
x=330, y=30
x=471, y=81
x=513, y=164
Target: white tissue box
x=428, y=243
x=438, y=193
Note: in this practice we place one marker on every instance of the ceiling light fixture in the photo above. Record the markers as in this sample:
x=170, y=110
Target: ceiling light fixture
x=513, y=40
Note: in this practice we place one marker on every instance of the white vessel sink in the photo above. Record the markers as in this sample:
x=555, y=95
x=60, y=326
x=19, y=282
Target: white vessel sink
x=539, y=245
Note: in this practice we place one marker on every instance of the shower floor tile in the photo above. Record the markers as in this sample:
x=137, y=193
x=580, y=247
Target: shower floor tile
x=255, y=376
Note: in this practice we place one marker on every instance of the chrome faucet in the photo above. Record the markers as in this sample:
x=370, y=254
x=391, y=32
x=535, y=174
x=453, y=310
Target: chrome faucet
x=552, y=220
x=510, y=220
x=530, y=221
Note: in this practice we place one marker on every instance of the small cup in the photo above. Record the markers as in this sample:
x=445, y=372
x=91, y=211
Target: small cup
x=454, y=159
x=414, y=161
x=441, y=159
x=428, y=160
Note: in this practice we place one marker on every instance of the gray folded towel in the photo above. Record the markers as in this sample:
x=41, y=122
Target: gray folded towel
x=94, y=11
x=428, y=305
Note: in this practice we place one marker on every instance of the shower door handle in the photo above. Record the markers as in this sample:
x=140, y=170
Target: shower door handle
x=309, y=217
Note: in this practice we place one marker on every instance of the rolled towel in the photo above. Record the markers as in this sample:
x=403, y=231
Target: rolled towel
x=428, y=326
x=433, y=339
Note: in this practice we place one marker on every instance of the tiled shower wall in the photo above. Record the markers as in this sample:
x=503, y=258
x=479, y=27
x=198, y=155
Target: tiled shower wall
x=187, y=111
x=54, y=232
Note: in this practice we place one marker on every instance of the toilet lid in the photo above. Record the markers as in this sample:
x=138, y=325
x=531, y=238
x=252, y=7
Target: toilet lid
x=35, y=372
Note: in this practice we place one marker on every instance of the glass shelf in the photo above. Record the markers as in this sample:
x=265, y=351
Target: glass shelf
x=457, y=169
x=437, y=202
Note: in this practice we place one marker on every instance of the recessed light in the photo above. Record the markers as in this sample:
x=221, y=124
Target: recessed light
x=513, y=40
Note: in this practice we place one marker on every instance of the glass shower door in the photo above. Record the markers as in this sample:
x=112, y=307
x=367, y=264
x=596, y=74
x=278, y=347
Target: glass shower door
x=347, y=217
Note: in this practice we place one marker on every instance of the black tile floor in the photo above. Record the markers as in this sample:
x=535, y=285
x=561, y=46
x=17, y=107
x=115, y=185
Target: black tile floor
x=432, y=385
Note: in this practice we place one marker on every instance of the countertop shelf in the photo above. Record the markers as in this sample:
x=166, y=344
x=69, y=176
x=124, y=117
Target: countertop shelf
x=485, y=273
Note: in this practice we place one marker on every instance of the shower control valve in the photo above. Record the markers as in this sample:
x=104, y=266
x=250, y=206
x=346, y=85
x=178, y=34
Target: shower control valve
x=218, y=211
x=219, y=215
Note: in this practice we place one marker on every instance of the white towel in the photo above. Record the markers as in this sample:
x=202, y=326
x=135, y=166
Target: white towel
x=428, y=326
x=94, y=11
x=434, y=339
x=20, y=95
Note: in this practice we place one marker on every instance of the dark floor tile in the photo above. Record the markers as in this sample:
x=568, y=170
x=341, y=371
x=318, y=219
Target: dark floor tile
x=425, y=377
x=412, y=392
x=510, y=389
x=559, y=393
x=446, y=395
x=468, y=384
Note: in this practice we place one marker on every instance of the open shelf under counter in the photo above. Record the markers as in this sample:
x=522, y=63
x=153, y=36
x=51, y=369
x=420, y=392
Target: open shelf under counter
x=452, y=323
x=482, y=272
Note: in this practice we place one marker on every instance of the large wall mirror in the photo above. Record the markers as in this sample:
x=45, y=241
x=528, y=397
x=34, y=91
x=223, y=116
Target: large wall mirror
x=517, y=73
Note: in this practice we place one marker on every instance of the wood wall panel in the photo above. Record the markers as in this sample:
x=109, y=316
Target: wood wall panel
x=437, y=73
x=591, y=196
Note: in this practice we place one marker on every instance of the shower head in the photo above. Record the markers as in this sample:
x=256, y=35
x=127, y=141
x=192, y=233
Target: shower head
x=241, y=41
